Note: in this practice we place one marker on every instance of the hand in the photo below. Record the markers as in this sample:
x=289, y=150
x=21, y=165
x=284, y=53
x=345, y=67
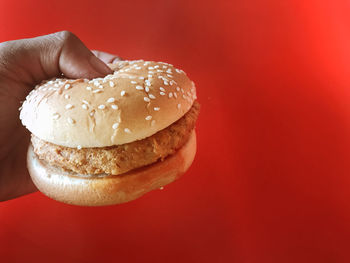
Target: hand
x=23, y=64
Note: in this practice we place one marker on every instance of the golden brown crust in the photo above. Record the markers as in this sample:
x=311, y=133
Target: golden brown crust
x=121, y=158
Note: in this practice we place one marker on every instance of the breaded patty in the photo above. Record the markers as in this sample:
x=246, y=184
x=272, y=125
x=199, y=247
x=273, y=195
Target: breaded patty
x=120, y=158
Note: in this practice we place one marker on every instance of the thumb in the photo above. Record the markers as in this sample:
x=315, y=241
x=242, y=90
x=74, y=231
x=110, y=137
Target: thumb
x=49, y=56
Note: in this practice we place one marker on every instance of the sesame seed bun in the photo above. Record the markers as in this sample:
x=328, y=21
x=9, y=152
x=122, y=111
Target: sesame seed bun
x=138, y=100
x=71, y=188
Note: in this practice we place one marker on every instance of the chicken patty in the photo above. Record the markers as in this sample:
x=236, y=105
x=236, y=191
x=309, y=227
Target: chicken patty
x=120, y=158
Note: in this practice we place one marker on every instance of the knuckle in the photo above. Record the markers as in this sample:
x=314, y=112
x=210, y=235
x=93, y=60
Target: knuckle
x=4, y=46
x=9, y=50
x=65, y=35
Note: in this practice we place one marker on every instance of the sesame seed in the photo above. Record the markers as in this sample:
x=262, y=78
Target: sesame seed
x=111, y=84
x=164, y=66
x=84, y=106
x=115, y=125
x=137, y=67
x=170, y=95
x=88, y=88
x=159, y=70
x=67, y=86
x=66, y=96
x=69, y=106
x=79, y=147
x=148, y=83
x=122, y=93
x=56, y=116
x=141, y=77
x=70, y=120
x=132, y=77
x=157, y=66
x=133, y=82
x=184, y=96
x=114, y=107
x=169, y=71
x=161, y=188
x=149, y=76
x=96, y=83
x=56, y=85
x=148, y=118
x=162, y=89
x=179, y=105
x=85, y=102
x=101, y=107
x=152, y=96
x=110, y=100
x=170, y=76
x=92, y=113
x=182, y=90
x=127, y=130
x=100, y=87
x=146, y=99
x=147, y=89
x=139, y=88
x=178, y=71
x=153, y=122
x=175, y=95
x=150, y=68
x=178, y=88
x=166, y=83
x=97, y=91
x=162, y=93
x=156, y=108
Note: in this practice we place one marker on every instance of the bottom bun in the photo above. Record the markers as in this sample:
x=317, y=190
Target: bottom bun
x=85, y=190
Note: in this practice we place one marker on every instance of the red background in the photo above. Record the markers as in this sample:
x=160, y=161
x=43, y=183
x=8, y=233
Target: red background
x=270, y=182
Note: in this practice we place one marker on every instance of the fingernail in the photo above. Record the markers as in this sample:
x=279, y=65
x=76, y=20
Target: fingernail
x=99, y=66
x=117, y=59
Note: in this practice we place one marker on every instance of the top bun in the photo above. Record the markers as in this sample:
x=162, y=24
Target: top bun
x=135, y=102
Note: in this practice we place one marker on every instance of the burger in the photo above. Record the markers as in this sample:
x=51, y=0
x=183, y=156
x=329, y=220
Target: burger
x=110, y=140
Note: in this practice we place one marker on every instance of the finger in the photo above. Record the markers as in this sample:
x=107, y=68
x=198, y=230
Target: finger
x=52, y=55
x=106, y=57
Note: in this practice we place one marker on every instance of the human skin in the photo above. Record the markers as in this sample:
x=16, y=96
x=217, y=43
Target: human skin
x=23, y=64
